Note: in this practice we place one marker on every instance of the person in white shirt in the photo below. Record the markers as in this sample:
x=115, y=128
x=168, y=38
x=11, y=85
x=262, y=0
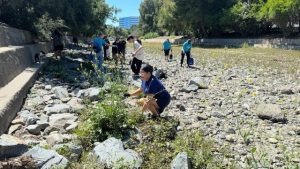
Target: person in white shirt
x=137, y=54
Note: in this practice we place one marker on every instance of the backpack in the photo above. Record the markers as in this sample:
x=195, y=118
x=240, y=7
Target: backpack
x=191, y=61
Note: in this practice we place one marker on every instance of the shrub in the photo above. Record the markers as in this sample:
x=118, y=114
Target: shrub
x=150, y=35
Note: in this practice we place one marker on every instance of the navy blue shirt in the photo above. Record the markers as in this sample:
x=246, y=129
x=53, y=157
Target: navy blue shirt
x=152, y=86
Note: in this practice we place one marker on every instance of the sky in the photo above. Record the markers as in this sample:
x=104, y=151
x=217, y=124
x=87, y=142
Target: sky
x=128, y=8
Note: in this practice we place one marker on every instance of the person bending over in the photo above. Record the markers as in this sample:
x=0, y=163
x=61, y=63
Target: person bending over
x=157, y=97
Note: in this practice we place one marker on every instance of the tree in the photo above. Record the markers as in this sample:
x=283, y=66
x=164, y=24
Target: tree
x=85, y=17
x=149, y=10
x=283, y=13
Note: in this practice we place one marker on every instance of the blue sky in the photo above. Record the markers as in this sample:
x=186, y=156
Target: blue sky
x=128, y=8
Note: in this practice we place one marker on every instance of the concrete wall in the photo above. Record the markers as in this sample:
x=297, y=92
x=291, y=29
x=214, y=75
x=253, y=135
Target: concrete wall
x=13, y=36
x=264, y=43
x=14, y=59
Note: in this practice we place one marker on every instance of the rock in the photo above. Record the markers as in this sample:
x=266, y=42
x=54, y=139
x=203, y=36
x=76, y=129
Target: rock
x=273, y=140
x=287, y=91
x=181, y=161
x=47, y=159
x=48, y=87
x=76, y=104
x=270, y=112
x=62, y=120
x=11, y=146
x=60, y=92
x=73, y=150
x=36, y=128
x=72, y=126
x=35, y=101
x=160, y=74
x=17, y=121
x=217, y=114
x=57, y=108
x=230, y=138
x=85, y=85
x=28, y=117
x=14, y=128
x=111, y=153
x=198, y=81
x=190, y=88
x=90, y=93
x=297, y=112
x=180, y=107
x=55, y=138
x=93, y=93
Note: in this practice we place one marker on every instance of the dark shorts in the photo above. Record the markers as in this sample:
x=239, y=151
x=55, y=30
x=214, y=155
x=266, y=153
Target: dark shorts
x=163, y=100
x=59, y=48
x=167, y=52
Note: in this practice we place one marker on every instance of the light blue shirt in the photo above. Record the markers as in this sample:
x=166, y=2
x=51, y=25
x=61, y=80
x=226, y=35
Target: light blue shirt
x=186, y=47
x=167, y=45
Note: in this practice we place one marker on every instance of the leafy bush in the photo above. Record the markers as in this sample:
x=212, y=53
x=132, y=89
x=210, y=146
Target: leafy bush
x=150, y=35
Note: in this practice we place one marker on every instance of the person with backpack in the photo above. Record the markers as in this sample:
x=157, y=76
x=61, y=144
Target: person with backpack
x=186, y=50
x=97, y=43
x=137, y=54
x=167, y=47
x=157, y=97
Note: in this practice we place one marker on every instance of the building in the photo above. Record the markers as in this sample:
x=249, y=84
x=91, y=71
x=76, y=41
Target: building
x=127, y=22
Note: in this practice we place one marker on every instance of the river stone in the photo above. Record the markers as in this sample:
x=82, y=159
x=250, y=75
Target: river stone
x=57, y=108
x=36, y=128
x=76, y=104
x=60, y=120
x=60, y=92
x=270, y=112
x=47, y=159
x=111, y=153
x=198, y=81
x=11, y=146
x=14, y=128
x=28, y=117
x=55, y=138
x=190, y=88
x=181, y=161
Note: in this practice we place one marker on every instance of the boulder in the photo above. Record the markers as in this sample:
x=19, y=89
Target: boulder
x=90, y=93
x=62, y=120
x=28, y=117
x=36, y=128
x=286, y=90
x=270, y=112
x=57, y=108
x=190, y=88
x=47, y=159
x=200, y=82
x=112, y=154
x=181, y=161
x=11, y=146
x=55, y=138
x=76, y=104
x=60, y=92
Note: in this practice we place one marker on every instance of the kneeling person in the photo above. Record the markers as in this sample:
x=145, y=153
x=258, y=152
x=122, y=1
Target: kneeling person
x=157, y=97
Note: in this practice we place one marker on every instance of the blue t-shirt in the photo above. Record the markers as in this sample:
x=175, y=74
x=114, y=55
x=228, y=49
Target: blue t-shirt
x=152, y=86
x=99, y=42
x=186, y=47
x=167, y=45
